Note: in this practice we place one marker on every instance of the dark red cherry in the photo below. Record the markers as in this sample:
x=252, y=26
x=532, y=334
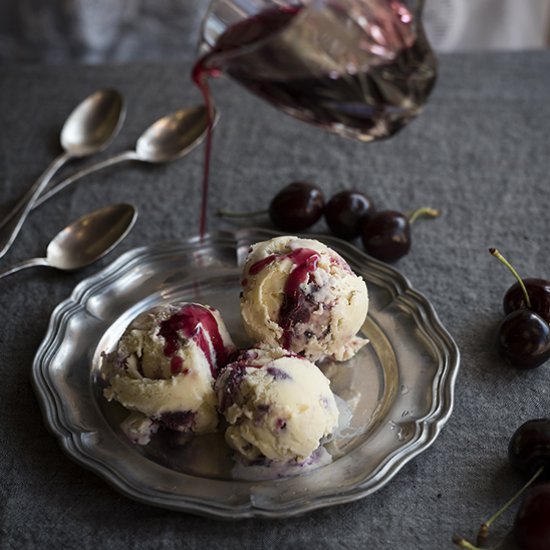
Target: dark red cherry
x=529, y=453
x=297, y=206
x=386, y=235
x=532, y=523
x=345, y=212
x=529, y=447
x=539, y=294
x=524, y=339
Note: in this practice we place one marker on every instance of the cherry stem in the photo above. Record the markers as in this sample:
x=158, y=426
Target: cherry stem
x=467, y=545
x=501, y=258
x=484, y=529
x=424, y=212
x=463, y=543
x=226, y=214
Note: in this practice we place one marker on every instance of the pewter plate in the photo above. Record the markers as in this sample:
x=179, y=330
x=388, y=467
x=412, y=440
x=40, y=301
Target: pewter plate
x=399, y=388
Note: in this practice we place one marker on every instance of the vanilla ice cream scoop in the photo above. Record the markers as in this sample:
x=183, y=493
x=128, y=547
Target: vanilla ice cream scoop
x=278, y=405
x=164, y=368
x=301, y=295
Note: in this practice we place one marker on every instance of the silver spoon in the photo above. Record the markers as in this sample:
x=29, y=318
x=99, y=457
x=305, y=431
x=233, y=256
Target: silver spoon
x=85, y=240
x=90, y=127
x=169, y=138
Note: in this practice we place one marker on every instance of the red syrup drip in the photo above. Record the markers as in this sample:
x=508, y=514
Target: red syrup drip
x=235, y=38
x=294, y=308
x=200, y=75
x=195, y=323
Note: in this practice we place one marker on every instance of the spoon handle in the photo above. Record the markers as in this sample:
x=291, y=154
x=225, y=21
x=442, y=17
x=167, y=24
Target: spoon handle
x=49, y=192
x=33, y=262
x=57, y=187
x=12, y=228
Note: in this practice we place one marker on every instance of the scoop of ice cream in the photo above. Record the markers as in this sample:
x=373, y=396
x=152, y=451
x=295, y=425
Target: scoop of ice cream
x=165, y=365
x=301, y=295
x=278, y=405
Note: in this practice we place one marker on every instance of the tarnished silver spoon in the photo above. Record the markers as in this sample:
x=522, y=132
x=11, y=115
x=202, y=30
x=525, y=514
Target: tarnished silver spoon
x=85, y=240
x=90, y=127
x=169, y=138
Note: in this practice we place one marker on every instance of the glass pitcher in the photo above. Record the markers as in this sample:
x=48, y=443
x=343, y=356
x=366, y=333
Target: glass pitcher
x=359, y=68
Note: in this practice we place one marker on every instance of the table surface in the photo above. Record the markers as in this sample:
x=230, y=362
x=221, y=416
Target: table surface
x=479, y=153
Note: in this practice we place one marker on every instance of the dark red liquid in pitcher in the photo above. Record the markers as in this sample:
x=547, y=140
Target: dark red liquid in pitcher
x=277, y=62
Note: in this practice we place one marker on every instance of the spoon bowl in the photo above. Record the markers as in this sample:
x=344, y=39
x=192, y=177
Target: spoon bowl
x=90, y=237
x=93, y=124
x=85, y=240
x=174, y=135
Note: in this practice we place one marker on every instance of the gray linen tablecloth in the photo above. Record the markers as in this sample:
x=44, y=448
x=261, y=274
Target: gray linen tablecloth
x=479, y=152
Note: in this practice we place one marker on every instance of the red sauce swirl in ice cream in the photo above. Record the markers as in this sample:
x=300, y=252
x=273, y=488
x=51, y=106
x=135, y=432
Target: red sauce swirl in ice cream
x=294, y=308
x=196, y=323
